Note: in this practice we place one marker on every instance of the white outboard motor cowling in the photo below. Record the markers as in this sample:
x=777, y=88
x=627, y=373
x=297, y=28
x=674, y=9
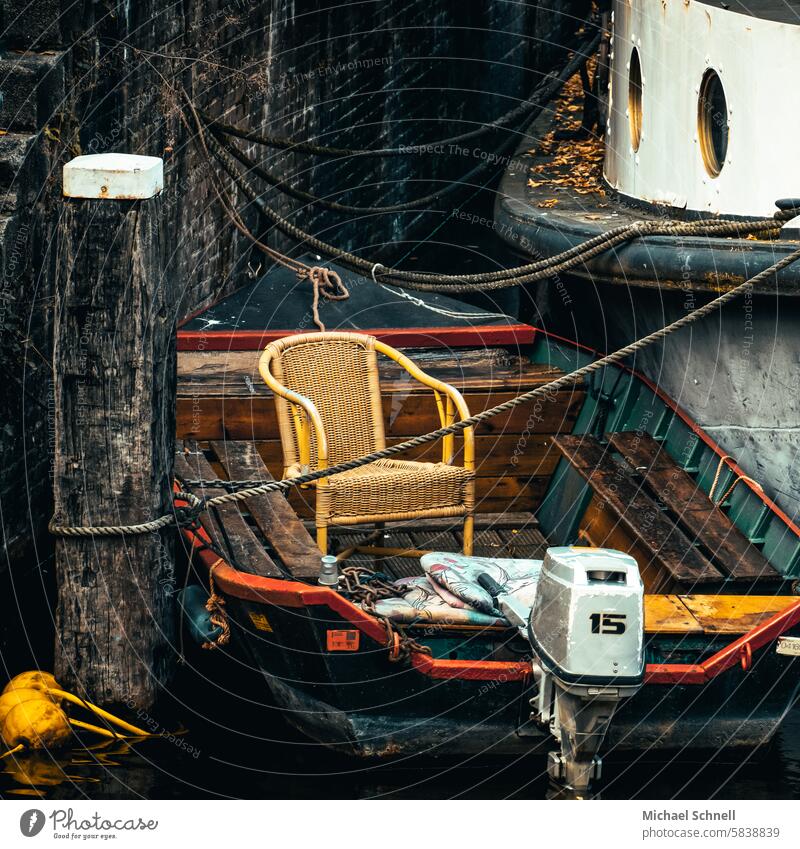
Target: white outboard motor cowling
x=586, y=626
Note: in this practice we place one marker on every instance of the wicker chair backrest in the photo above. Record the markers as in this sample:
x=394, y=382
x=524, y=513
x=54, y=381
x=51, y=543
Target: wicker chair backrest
x=339, y=373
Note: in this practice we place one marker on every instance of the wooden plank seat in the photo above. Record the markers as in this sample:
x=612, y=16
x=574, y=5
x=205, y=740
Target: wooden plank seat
x=284, y=533
x=225, y=524
x=675, y=529
x=271, y=512
x=662, y=549
x=727, y=547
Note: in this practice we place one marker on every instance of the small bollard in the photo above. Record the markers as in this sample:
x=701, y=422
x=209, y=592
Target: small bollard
x=329, y=571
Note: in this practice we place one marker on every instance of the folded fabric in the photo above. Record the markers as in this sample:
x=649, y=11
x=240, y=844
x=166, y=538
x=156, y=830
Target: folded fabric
x=457, y=575
x=421, y=604
x=449, y=592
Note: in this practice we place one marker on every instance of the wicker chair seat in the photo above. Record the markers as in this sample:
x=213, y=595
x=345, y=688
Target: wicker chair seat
x=391, y=490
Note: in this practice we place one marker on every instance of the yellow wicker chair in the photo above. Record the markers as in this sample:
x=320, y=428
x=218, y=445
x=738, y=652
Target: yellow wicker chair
x=328, y=401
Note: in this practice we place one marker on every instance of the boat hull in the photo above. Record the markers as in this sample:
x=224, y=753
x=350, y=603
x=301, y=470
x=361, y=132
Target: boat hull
x=364, y=705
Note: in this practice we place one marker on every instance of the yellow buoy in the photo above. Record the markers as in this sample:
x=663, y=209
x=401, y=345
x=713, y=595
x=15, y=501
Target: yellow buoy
x=36, y=724
x=34, y=680
x=17, y=697
x=31, y=716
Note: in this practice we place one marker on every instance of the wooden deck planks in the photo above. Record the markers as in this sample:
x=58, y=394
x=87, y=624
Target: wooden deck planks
x=271, y=512
x=729, y=549
x=733, y=614
x=248, y=553
x=668, y=547
x=710, y=614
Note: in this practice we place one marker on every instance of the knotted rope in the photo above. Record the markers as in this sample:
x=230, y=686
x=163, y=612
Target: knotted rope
x=216, y=607
x=327, y=284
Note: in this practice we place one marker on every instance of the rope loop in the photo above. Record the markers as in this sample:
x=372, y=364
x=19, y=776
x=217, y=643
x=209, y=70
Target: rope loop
x=188, y=516
x=327, y=284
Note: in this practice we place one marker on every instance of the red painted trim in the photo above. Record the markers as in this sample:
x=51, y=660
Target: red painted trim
x=470, y=670
x=674, y=673
x=731, y=655
x=399, y=337
x=690, y=422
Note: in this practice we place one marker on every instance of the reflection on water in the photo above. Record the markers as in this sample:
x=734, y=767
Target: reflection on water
x=235, y=767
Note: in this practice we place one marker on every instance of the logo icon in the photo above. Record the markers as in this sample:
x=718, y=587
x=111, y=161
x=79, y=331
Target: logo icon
x=31, y=822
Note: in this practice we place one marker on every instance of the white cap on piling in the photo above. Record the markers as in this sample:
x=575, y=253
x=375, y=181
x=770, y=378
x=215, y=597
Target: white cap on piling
x=114, y=176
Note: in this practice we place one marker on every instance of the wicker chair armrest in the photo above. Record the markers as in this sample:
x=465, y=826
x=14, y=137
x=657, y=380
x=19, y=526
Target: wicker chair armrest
x=454, y=410
x=305, y=404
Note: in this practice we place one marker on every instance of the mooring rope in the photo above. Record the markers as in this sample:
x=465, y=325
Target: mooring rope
x=502, y=123
x=184, y=516
x=325, y=282
x=538, y=99
x=344, y=208
x=518, y=275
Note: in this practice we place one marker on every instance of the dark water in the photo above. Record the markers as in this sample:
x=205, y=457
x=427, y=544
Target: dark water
x=236, y=749
x=163, y=770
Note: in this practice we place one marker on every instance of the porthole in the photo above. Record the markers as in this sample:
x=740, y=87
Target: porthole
x=635, y=99
x=712, y=122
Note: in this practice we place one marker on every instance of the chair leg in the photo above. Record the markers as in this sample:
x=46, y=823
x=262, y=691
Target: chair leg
x=469, y=528
x=322, y=539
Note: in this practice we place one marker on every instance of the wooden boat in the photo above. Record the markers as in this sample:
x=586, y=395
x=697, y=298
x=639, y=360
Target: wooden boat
x=609, y=462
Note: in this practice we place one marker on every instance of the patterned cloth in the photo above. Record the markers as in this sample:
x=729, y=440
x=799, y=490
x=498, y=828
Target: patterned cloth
x=449, y=593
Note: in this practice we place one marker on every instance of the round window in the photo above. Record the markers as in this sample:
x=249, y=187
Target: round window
x=635, y=99
x=712, y=122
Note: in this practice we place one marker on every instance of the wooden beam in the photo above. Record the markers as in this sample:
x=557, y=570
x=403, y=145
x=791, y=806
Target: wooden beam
x=114, y=368
x=637, y=512
x=728, y=547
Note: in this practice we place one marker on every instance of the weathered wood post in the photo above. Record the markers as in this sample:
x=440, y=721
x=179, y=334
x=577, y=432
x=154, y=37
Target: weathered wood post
x=115, y=374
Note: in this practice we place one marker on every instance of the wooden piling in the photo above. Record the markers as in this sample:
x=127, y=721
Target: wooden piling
x=114, y=368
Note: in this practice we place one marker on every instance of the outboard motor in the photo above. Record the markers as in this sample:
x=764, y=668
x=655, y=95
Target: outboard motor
x=586, y=632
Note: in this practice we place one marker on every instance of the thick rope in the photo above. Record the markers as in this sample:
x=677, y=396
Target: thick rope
x=554, y=385
x=512, y=116
x=325, y=282
x=543, y=93
x=298, y=194
x=506, y=278
x=219, y=616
